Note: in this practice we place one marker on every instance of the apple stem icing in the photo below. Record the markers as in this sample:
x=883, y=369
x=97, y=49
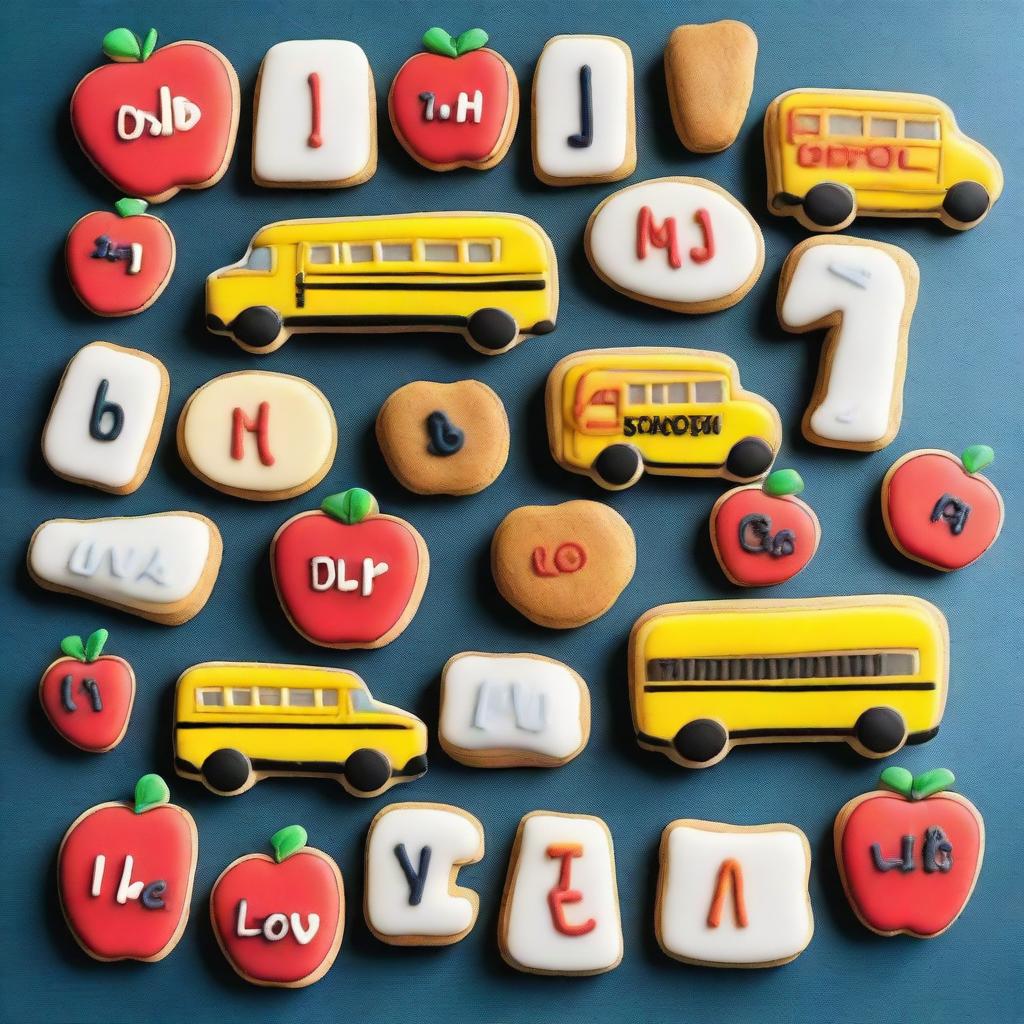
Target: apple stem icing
x=121, y=44
x=977, y=457
x=444, y=44
x=287, y=841
x=73, y=647
x=150, y=791
x=916, y=787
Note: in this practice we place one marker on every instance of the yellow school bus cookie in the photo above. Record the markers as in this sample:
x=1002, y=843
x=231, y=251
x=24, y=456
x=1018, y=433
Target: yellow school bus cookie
x=834, y=154
x=491, y=277
x=708, y=675
x=238, y=722
x=614, y=413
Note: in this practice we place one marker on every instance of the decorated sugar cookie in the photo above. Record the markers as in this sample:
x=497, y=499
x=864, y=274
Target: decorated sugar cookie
x=456, y=105
x=709, y=71
x=733, y=895
x=562, y=565
x=491, y=277
x=834, y=154
x=161, y=567
x=444, y=438
x=614, y=414
x=258, y=435
x=88, y=695
x=279, y=920
x=560, y=907
x=909, y=853
x=125, y=873
x=236, y=723
x=315, y=121
x=939, y=510
x=512, y=710
x=413, y=855
x=347, y=575
x=119, y=263
x=156, y=121
x=864, y=292
x=584, y=127
x=706, y=676
x=683, y=244
x=764, y=534
x=104, y=424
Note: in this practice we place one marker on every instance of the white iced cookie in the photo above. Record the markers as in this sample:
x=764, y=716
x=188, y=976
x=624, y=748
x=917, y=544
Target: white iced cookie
x=584, y=128
x=105, y=421
x=315, y=124
x=733, y=895
x=413, y=855
x=560, y=908
x=512, y=710
x=258, y=435
x=160, y=567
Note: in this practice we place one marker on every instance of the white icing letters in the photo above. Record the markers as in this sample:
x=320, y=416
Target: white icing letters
x=277, y=925
x=177, y=113
x=324, y=576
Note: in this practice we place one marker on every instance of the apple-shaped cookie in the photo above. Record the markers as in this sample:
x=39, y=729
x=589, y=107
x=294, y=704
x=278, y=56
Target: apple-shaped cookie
x=939, y=510
x=909, y=854
x=348, y=576
x=154, y=123
x=125, y=872
x=88, y=695
x=119, y=263
x=279, y=920
x=457, y=104
x=764, y=534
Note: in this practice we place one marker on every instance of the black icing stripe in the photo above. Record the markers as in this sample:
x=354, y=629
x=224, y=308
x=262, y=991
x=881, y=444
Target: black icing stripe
x=781, y=687
x=287, y=725
x=424, y=286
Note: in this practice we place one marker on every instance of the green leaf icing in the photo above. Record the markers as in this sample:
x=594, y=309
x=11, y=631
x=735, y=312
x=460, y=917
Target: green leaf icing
x=150, y=791
x=898, y=779
x=131, y=207
x=977, y=457
x=436, y=40
x=149, y=44
x=932, y=782
x=95, y=644
x=783, y=482
x=122, y=44
x=349, y=507
x=73, y=647
x=287, y=841
x=471, y=39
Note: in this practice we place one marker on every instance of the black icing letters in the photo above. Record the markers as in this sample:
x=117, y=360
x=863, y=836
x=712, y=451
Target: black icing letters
x=152, y=897
x=757, y=539
x=905, y=861
x=445, y=437
x=952, y=511
x=416, y=879
x=585, y=138
x=100, y=408
x=669, y=425
x=936, y=853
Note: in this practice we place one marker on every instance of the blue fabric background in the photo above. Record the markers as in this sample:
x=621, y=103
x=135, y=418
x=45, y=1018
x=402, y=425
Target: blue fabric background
x=963, y=386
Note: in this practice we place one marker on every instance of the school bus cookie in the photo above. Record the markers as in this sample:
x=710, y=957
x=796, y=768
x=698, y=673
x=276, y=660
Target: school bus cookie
x=733, y=895
x=683, y=244
x=161, y=567
x=909, y=853
x=560, y=907
x=279, y=920
x=709, y=71
x=939, y=510
x=835, y=154
x=258, y=435
x=594, y=138
x=413, y=855
x=455, y=105
x=315, y=119
x=616, y=413
x=236, y=723
x=125, y=874
x=444, y=438
x=491, y=277
x=512, y=710
x=864, y=293
x=706, y=676
x=563, y=565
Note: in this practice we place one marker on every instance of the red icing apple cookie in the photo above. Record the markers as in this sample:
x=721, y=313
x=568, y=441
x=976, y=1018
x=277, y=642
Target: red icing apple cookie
x=909, y=854
x=279, y=920
x=154, y=123
x=348, y=576
x=88, y=695
x=457, y=104
x=125, y=872
x=119, y=263
x=939, y=510
x=764, y=534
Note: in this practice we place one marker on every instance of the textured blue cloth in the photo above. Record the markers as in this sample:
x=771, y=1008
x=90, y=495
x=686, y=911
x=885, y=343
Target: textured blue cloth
x=963, y=386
